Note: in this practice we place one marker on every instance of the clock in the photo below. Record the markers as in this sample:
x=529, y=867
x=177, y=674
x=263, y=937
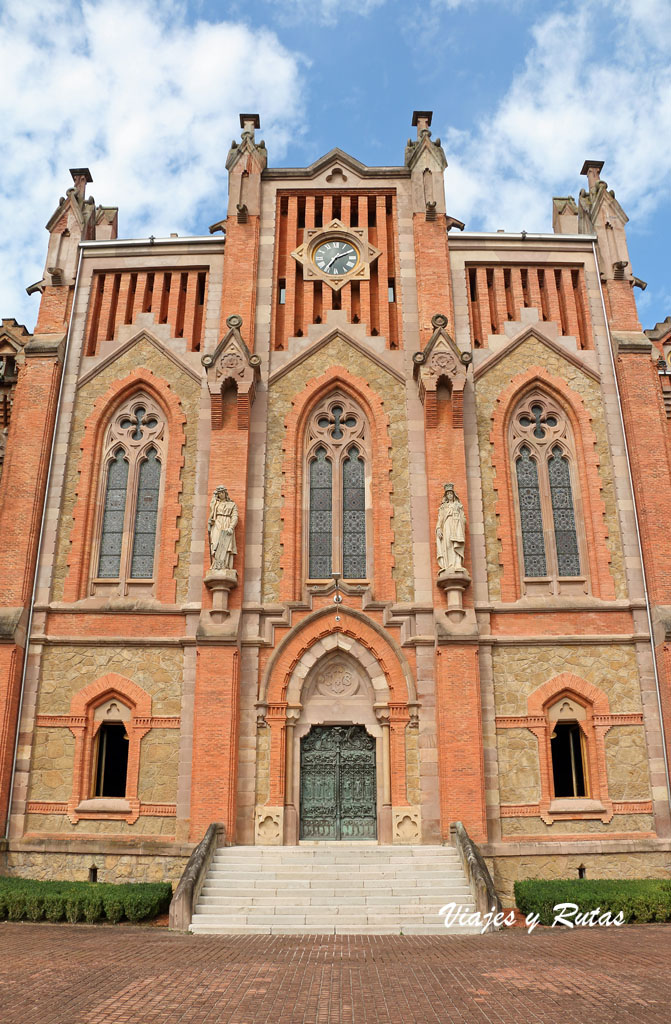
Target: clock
x=336, y=254
x=335, y=257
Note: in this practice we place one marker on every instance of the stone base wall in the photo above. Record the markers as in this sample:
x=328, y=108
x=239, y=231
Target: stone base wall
x=637, y=863
x=114, y=865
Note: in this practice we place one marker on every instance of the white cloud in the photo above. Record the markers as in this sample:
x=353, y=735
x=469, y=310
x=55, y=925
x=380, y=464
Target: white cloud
x=596, y=84
x=146, y=100
x=328, y=12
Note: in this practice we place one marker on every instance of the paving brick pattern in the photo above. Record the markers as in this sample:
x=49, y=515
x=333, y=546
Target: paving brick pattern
x=61, y=974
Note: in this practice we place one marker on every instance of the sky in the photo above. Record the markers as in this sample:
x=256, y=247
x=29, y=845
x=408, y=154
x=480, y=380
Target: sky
x=146, y=93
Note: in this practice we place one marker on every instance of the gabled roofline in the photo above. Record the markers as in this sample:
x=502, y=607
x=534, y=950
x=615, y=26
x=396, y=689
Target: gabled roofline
x=336, y=156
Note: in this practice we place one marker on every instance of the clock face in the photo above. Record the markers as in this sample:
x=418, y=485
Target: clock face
x=336, y=257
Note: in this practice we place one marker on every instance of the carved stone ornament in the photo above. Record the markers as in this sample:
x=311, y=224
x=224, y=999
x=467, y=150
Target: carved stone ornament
x=232, y=362
x=441, y=362
x=407, y=827
x=357, y=237
x=338, y=679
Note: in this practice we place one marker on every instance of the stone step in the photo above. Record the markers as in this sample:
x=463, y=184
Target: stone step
x=313, y=896
x=331, y=889
x=332, y=886
x=328, y=929
x=392, y=906
x=298, y=875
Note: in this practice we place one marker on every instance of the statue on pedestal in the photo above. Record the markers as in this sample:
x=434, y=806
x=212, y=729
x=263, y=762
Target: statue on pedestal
x=221, y=525
x=451, y=532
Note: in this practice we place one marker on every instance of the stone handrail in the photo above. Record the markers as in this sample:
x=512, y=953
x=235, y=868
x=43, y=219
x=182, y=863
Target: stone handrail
x=187, y=892
x=477, y=871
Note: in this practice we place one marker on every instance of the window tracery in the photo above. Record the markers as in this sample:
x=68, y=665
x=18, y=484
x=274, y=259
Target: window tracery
x=543, y=454
x=337, y=452
x=132, y=459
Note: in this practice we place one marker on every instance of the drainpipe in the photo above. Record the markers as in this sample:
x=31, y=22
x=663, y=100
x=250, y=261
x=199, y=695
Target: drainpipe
x=638, y=531
x=39, y=548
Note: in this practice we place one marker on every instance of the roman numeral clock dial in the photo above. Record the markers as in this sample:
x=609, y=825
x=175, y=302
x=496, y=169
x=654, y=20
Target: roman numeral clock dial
x=336, y=254
x=336, y=257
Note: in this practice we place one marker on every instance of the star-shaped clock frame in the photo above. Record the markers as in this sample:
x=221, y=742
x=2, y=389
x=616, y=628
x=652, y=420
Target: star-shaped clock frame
x=313, y=238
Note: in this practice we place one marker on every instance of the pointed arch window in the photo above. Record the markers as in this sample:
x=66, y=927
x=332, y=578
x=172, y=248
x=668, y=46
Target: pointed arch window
x=338, y=472
x=550, y=530
x=131, y=485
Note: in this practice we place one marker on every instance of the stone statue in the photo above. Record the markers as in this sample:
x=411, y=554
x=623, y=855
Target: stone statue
x=221, y=526
x=451, y=532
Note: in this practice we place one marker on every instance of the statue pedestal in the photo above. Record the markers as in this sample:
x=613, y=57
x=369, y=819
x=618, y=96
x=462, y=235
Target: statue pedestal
x=454, y=582
x=220, y=582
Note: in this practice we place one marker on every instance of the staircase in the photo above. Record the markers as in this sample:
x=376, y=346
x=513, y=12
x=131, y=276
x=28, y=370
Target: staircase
x=332, y=888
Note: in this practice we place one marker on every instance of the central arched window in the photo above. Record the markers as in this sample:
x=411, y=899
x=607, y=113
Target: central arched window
x=338, y=462
x=130, y=497
x=544, y=462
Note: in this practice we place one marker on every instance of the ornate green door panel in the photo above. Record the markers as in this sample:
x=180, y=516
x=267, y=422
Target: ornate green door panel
x=338, y=783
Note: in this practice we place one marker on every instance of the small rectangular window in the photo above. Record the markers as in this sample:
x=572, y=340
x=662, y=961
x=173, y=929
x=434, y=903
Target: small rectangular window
x=112, y=760
x=392, y=290
x=281, y=291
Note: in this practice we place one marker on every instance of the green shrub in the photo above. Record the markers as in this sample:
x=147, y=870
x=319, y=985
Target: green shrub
x=54, y=906
x=641, y=899
x=75, y=906
x=113, y=904
x=34, y=905
x=29, y=899
x=93, y=907
x=16, y=905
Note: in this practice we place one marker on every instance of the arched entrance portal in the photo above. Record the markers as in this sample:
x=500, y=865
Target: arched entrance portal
x=338, y=784
x=354, y=685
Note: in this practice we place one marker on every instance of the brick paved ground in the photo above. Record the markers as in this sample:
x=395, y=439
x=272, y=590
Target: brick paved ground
x=77, y=974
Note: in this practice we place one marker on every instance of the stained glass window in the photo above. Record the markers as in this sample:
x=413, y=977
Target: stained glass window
x=113, y=517
x=531, y=517
x=321, y=522
x=353, y=517
x=144, y=536
x=566, y=540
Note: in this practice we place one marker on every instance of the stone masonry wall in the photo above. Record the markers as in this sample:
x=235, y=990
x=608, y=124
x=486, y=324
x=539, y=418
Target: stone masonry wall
x=635, y=864
x=520, y=670
x=66, y=670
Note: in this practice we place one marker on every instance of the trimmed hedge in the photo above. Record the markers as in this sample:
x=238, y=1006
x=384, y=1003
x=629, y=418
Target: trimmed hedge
x=30, y=900
x=640, y=899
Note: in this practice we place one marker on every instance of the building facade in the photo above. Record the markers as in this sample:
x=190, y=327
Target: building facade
x=324, y=526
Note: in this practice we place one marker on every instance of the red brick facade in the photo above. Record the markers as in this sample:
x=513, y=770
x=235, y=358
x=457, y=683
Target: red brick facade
x=463, y=671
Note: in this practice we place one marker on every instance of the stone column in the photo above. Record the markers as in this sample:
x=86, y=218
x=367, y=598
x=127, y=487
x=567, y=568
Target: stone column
x=290, y=812
x=382, y=715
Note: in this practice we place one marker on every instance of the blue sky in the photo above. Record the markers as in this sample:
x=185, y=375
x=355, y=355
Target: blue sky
x=147, y=95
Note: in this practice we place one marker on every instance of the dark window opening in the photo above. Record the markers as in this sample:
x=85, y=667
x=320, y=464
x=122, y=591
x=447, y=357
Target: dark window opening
x=336, y=301
x=300, y=219
x=165, y=299
x=336, y=207
x=568, y=769
x=148, y=294
x=472, y=282
x=391, y=290
x=93, y=873
x=354, y=212
x=319, y=208
x=112, y=761
x=281, y=291
x=372, y=212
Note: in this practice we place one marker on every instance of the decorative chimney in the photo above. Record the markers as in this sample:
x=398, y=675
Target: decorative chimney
x=81, y=177
x=592, y=168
